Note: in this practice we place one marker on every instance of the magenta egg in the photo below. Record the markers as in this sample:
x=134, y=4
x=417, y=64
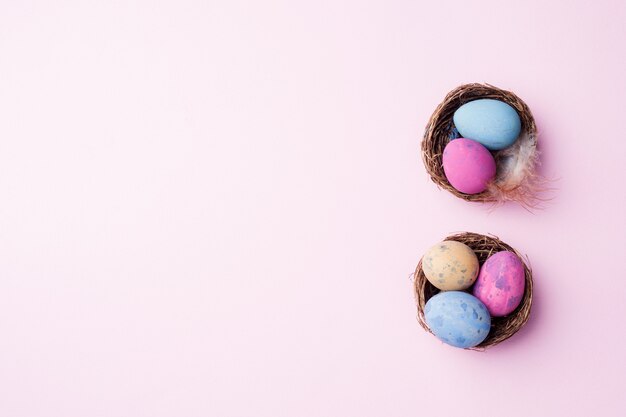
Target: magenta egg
x=468, y=165
x=500, y=283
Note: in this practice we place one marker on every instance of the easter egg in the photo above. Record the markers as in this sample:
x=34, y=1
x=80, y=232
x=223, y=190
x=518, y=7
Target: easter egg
x=457, y=318
x=493, y=123
x=500, y=283
x=450, y=265
x=468, y=165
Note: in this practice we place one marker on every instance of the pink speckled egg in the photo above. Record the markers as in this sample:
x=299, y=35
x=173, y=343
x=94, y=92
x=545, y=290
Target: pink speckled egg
x=468, y=165
x=500, y=283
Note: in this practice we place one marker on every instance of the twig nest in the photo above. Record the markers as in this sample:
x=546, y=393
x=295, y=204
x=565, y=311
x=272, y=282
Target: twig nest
x=474, y=316
x=511, y=146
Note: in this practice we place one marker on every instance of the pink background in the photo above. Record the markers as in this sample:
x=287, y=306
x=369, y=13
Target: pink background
x=213, y=208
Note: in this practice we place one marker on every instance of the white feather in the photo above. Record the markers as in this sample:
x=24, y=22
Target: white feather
x=516, y=177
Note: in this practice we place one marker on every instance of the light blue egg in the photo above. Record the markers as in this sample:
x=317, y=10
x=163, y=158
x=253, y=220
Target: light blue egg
x=493, y=123
x=457, y=318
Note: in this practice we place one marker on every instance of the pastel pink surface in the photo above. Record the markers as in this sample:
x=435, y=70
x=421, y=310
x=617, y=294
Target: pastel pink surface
x=213, y=208
x=500, y=283
x=468, y=165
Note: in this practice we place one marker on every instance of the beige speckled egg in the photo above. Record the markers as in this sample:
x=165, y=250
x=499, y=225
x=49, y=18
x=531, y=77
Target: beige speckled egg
x=450, y=266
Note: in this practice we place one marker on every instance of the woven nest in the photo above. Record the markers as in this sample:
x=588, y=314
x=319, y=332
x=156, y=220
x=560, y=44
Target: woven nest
x=516, y=179
x=484, y=246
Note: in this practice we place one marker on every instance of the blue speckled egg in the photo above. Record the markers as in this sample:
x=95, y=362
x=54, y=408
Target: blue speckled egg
x=493, y=123
x=457, y=318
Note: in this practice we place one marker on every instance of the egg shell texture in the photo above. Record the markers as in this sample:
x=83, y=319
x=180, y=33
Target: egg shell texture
x=500, y=284
x=457, y=318
x=468, y=165
x=493, y=123
x=450, y=265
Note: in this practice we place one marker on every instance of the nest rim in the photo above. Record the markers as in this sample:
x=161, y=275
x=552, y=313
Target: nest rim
x=440, y=124
x=502, y=328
